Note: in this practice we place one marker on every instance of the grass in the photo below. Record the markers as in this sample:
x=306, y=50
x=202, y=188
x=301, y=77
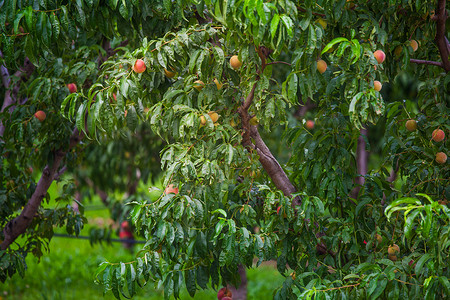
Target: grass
x=66, y=272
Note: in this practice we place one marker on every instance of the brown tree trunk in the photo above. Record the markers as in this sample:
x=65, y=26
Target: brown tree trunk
x=19, y=224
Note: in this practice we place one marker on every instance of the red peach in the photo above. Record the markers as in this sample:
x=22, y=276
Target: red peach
x=139, y=66
x=40, y=115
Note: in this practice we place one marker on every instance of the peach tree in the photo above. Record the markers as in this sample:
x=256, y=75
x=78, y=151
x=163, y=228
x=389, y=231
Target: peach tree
x=357, y=209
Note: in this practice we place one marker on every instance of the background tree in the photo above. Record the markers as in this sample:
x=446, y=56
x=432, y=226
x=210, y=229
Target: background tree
x=213, y=79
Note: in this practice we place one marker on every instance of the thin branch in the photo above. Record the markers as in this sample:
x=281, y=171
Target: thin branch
x=278, y=62
x=60, y=173
x=17, y=226
x=426, y=62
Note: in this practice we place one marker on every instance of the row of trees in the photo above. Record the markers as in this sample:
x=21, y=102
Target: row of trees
x=345, y=210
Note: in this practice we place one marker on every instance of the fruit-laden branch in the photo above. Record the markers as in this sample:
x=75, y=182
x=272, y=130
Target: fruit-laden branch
x=11, y=94
x=362, y=157
x=19, y=225
x=441, y=41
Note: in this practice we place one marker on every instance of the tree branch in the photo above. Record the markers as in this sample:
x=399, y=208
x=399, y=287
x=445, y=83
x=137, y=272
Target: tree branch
x=268, y=161
x=278, y=62
x=19, y=225
x=362, y=157
x=271, y=165
x=11, y=95
x=441, y=42
x=426, y=62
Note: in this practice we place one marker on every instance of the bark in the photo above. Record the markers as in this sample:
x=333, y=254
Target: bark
x=426, y=62
x=11, y=93
x=240, y=293
x=19, y=225
x=267, y=160
x=271, y=165
x=307, y=106
x=362, y=157
x=440, y=39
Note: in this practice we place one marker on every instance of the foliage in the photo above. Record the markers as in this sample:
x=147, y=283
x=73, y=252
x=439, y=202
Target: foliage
x=323, y=237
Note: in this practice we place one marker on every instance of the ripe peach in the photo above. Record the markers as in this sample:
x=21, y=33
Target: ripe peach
x=171, y=189
x=441, y=158
x=139, y=66
x=309, y=124
x=321, y=66
x=414, y=45
x=40, y=115
x=202, y=120
x=72, y=87
x=379, y=56
x=411, y=125
x=214, y=116
x=377, y=85
x=224, y=293
x=438, y=135
x=235, y=62
x=393, y=249
x=199, y=85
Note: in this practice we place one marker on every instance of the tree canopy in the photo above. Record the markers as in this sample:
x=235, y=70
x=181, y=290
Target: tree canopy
x=350, y=202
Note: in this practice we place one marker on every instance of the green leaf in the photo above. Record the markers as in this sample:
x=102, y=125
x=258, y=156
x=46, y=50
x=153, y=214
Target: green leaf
x=274, y=25
x=193, y=60
x=332, y=43
x=421, y=262
x=287, y=21
x=409, y=223
x=132, y=120
x=131, y=280
x=380, y=287
x=189, y=279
